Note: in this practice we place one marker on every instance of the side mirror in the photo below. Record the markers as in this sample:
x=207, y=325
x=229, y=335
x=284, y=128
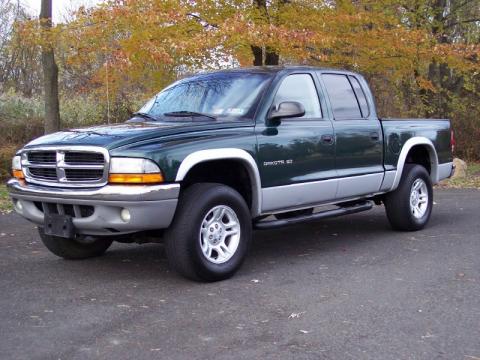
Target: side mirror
x=286, y=109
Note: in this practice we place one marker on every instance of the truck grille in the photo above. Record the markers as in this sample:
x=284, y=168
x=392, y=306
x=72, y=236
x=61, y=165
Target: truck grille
x=44, y=173
x=43, y=157
x=82, y=174
x=67, y=167
x=83, y=158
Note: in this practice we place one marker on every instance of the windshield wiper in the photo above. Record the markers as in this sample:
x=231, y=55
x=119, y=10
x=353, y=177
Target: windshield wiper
x=188, y=113
x=146, y=116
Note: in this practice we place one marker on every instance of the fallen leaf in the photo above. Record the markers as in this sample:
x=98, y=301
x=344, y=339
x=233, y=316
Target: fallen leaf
x=296, y=315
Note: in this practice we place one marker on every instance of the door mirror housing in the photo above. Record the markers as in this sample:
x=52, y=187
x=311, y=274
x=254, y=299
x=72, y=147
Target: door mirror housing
x=286, y=109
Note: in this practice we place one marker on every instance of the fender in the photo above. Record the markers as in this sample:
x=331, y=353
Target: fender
x=409, y=144
x=198, y=157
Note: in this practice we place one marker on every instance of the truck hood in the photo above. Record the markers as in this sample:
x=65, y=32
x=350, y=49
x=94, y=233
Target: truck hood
x=113, y=136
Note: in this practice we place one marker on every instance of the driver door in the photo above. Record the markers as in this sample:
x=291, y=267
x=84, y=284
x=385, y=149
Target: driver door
x=297, y=156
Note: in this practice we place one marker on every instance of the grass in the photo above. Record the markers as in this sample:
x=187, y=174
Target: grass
x=472, y=180
x=5, y=202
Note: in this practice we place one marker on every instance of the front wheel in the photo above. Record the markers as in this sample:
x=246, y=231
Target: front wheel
x=210, y=234
x=409, y=206
x=81, y=247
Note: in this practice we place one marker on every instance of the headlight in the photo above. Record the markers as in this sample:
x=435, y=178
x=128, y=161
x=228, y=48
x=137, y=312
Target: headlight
x=17, y=167
x=134, y=171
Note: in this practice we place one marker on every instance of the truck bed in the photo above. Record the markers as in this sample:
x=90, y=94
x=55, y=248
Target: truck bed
x=397, y=131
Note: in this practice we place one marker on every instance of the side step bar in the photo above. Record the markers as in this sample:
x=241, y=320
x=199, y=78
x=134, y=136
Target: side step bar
x=364, y=206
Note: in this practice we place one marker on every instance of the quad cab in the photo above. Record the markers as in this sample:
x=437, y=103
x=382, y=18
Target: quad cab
x=216, y=155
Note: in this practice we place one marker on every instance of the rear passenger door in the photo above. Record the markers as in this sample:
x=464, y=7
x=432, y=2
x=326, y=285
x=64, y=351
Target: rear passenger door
x=358, y=136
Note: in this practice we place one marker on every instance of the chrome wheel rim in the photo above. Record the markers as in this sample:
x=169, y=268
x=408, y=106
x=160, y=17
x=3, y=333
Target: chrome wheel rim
x=419, y=199
x=219, y=234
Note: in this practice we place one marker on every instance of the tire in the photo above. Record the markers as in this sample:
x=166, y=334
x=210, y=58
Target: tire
x=295, y=213
x=196, y=243
x=415, y=188
x=75, y=249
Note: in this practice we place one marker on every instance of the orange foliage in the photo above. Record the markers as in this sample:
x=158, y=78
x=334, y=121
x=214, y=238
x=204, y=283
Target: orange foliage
x=147, y=43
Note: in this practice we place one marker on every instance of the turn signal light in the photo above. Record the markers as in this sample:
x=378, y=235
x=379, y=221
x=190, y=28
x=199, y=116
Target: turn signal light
x=18, y=174
x=135, y=178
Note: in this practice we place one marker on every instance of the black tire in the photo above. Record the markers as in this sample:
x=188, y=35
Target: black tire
x=397, y=202
x=295, y=213
x=75, y=249
x=183, y=239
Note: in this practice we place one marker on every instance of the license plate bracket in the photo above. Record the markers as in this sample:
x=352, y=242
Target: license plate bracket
x=59, y=225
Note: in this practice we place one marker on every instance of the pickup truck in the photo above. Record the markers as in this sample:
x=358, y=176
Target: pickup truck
x=215, y=155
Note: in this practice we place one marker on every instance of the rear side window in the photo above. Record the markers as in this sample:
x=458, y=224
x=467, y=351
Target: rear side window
x=300, y=88
x=342, y=97
x=362, y=100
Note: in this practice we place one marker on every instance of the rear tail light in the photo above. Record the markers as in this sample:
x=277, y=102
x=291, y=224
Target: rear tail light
x=452, y=140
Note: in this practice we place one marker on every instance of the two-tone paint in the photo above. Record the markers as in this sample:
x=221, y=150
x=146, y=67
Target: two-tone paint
x=289, y=164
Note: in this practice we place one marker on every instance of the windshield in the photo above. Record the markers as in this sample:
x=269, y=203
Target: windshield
x=221, y=95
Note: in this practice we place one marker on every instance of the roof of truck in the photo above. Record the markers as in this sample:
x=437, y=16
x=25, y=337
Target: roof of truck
x=277, y=68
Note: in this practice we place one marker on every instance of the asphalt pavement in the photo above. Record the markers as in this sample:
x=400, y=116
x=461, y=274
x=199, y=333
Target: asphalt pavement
x=344, y=288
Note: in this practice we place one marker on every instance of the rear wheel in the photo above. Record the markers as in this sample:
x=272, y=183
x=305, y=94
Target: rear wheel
x=409, y=207
x=210, y=234
x=81, y=247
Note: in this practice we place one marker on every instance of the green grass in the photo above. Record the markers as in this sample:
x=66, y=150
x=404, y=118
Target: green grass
x=5, y=202
x=472, y=180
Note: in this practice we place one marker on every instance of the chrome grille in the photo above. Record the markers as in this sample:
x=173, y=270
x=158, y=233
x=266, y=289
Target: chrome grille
x=82, y=174
x=83, y=158
x=74, y=166
x=42, y=157
x=44, y=173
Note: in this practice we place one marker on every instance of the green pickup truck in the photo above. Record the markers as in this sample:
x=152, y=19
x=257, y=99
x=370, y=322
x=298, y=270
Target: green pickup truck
x=215, y=155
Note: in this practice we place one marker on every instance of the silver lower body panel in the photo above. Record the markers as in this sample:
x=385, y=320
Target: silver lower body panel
x=150, y=207
x=445, y=170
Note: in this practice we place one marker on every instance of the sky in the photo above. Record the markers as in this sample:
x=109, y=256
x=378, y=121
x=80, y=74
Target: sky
x=61, y=8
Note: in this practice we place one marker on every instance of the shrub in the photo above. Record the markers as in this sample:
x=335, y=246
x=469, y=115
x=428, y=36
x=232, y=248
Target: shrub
x=21, y=119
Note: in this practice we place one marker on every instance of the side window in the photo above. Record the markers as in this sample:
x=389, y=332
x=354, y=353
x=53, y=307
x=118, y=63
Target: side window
x=362, y=100
x=343, y=100
x=300, y=88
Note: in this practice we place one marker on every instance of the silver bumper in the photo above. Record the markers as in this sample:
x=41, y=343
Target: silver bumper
x=150, y=206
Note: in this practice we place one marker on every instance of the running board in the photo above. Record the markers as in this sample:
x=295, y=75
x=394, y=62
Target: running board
x=364, y=206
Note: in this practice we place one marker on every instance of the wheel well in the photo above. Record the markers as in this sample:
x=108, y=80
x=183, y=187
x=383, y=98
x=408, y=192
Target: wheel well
x=420, y=155
x=228, y=172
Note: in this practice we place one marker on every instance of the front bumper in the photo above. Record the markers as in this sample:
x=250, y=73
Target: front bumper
x=97, y=211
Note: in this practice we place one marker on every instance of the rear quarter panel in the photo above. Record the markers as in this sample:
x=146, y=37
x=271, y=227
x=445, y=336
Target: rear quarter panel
x=397, y=131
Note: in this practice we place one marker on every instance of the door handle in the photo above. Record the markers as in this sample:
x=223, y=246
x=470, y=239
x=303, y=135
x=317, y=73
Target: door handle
x=327, y=139
x=374, y=136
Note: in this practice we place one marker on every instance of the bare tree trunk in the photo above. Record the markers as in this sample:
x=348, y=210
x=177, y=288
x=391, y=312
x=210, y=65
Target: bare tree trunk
x=262, y=56
x=257, y=55
x=50, y=74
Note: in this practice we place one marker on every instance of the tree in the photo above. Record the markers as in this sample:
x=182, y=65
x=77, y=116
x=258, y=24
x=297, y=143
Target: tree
x=19, y=62
x=424, y=54
x=50, y=73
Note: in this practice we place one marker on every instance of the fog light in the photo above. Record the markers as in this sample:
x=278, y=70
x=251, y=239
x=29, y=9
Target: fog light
x=125, y=215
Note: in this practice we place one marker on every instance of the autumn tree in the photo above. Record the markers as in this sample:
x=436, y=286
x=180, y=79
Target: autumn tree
x=424, y=54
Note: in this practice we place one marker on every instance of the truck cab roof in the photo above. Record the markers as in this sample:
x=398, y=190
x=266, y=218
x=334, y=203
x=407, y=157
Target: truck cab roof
x=279, y=68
